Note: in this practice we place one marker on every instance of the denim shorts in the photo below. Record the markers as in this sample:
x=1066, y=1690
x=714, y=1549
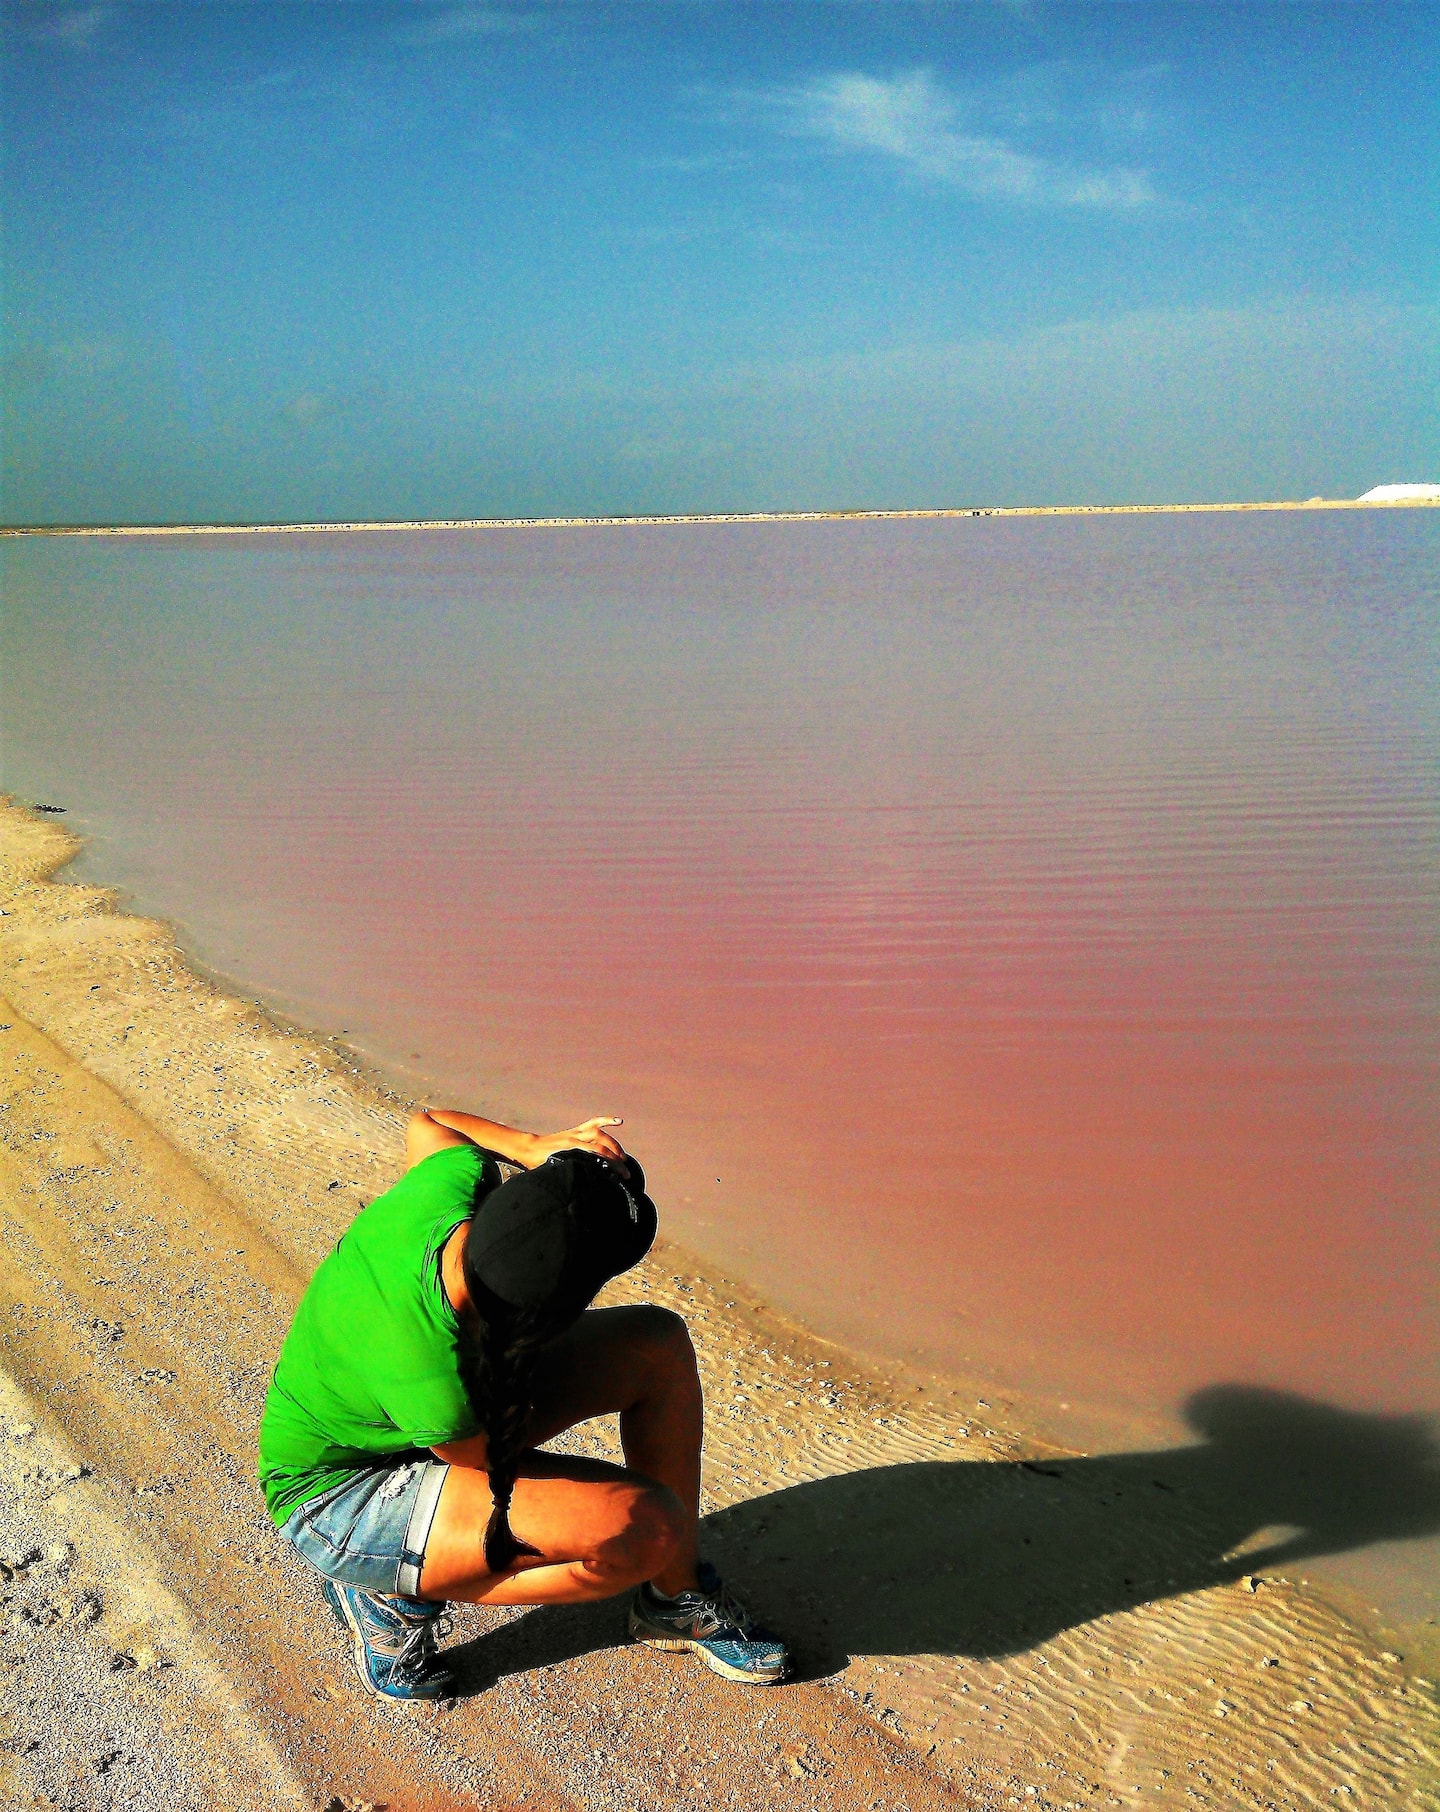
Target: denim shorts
x=371, y=1530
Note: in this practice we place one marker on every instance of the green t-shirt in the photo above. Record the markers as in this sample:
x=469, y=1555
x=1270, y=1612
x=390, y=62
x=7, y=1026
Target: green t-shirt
x=371, y=1365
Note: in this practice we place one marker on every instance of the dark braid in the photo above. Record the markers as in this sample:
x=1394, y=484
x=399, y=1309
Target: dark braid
x=538, y=1248
x=497, y=1361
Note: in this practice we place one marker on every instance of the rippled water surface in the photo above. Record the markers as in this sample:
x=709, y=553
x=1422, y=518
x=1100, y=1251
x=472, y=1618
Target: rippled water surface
x=1010, y=942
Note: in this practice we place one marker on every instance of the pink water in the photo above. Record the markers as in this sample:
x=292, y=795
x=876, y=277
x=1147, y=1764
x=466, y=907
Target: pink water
x=1011, y=943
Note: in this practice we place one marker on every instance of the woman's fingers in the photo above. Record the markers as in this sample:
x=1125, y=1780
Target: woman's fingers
x=594, y=1136
x=591, y=1135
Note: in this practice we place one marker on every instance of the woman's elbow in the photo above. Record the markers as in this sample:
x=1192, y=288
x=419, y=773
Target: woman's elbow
x=420, y=1131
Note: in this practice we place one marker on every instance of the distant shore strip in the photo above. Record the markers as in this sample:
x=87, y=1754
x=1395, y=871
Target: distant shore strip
x=520, y=522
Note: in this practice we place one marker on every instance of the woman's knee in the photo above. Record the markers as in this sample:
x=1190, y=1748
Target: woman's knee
x=644, y=1537
x=663, y=1336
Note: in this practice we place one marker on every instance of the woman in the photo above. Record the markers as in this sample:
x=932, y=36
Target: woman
x=445, y=1339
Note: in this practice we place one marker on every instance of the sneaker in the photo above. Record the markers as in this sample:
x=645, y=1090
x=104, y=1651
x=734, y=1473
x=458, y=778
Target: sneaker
x=714, y=1626
x=395, y=1652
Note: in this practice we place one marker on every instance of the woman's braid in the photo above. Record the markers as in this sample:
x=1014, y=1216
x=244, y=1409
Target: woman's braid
x=497, y=1368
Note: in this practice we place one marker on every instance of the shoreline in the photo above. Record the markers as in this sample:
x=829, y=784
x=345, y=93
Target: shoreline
x=978, y=1612
x=515, y=522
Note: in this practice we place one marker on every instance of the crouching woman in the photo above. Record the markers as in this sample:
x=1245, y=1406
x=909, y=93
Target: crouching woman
x=446, y=1338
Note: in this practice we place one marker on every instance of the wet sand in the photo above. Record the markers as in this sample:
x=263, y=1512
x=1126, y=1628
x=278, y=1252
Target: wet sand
x=980, y=1619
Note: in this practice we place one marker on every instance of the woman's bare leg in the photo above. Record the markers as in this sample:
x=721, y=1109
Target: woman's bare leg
x=638, y=1361
x=597, y=1529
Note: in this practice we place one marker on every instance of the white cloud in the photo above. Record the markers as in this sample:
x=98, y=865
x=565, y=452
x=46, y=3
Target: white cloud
x=308, y=409
x=1282, y=398
x=1289, y=397
x=702, y=163
x=911, y=119
x=88, y=357
x=76, y=27
x=444, y=25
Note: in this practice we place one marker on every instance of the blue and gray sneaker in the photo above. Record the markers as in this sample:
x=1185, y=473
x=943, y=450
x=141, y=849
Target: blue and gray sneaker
x=714, y=1626
x=395, y=1639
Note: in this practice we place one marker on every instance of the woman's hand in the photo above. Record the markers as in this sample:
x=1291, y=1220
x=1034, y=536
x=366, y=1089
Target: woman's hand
x=591, y=1135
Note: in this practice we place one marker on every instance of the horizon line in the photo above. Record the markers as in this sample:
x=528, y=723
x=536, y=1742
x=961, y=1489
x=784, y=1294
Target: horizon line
x=658, y=521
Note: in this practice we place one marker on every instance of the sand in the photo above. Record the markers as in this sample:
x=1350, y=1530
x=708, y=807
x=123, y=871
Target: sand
x=981, y=1620
x=551, y=522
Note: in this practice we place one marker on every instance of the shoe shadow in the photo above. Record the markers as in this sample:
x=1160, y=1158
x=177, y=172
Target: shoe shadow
x=987, y=1558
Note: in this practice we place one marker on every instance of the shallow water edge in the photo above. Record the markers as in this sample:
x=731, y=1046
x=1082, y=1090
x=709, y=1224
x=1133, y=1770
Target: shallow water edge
x=1385, y=1464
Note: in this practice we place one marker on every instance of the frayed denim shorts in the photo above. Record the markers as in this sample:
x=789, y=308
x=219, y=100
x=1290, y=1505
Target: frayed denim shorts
x=371, y=1531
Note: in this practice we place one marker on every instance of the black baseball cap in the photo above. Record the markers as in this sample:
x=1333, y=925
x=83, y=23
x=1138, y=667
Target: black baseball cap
x=546, y=1242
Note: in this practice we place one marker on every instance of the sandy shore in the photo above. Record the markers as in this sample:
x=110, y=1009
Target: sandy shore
x=513, y=522
x=982, y=1621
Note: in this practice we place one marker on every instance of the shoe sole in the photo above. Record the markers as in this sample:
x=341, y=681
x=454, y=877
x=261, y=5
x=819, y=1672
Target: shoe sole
x=676, y=1645
x=352, y=1629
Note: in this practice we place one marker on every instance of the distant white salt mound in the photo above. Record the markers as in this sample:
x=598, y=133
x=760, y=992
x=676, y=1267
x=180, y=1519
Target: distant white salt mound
x=1403, y=493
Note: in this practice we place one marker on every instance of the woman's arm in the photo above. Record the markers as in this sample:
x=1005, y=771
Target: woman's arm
x=432, y=1129
x=470, y=1450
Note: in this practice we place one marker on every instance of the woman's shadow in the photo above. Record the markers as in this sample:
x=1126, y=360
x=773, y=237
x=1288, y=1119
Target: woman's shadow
x=984, y=1558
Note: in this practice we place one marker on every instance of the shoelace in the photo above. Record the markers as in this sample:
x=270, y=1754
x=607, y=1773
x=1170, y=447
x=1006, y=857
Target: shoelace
x=416, y=1654
x=719, y=1608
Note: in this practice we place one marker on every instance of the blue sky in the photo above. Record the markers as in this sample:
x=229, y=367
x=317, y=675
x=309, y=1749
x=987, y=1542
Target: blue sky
x=371, y=260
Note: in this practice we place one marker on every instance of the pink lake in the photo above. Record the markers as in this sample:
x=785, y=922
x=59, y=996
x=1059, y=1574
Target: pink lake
x=1010, y=942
